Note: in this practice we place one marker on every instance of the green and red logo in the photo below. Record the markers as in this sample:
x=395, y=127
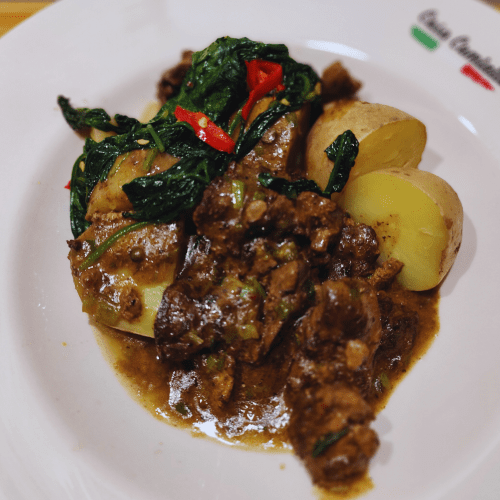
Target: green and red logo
x=434, y=32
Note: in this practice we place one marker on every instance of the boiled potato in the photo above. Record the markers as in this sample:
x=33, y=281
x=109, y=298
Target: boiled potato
x=108, y=196
x=150, y=111
x=418, y=219
x=123, y=288
x=98, y=135
x=107, y=312
x=387, y=138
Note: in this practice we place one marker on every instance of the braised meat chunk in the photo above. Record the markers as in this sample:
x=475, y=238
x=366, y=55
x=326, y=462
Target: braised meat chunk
x=172, y=79
x=337, y=83
x=330, y=381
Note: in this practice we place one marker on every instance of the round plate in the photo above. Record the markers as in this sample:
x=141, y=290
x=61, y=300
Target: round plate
x=67, y=427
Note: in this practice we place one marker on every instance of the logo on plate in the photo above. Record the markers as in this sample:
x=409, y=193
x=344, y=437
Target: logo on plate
x=432, y=33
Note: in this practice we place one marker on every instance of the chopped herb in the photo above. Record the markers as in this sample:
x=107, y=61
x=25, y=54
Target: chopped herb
x=230, y=334
x=232, y=284
x=89, y=303
x=238, y=191
x=297, y=339
x=118, y=164
x=195, y=339
x=156, y=137
x=284, y=309
x=259, y=150
x=150, y=157
x=216, y=362
x=292, y=118
x=327, y=440
x=259, y=195
x=247, y=332
x=236, y=121
x=95, y=254
x=252, y=290
x=257, y=287
x=182, y=409
x=384, y=380
x=287, y=251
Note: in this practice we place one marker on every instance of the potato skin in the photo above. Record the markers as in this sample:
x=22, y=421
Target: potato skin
x=388, y=137
x=417, y=216
x=318, y=165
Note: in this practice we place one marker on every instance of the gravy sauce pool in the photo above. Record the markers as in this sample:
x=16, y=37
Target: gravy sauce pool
x=257, y=415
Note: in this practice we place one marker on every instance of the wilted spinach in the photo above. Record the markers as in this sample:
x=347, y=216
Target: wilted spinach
x=215, y=85
x=343, y=152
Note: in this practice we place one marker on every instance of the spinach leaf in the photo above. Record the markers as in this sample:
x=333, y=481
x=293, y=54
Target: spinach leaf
x=343, y=152
x=80, y=119
x=165, y=196
x=291, y=189
x=216, y=82
x=78, y=198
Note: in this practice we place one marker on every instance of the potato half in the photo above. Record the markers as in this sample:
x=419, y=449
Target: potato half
x=104, y=310
x=124, y=287
x=387, y=138
x=418, y=219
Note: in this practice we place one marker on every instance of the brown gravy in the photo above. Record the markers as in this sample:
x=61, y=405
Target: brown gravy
x=257, y=416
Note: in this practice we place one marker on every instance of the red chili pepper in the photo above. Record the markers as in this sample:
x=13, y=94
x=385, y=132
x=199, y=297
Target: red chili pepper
x=68, y=185
x=206, y=130
x=262, y=77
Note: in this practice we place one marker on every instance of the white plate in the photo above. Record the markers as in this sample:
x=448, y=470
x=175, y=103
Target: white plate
x=67, y=427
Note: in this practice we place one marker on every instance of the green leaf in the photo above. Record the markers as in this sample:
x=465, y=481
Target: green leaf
x=343, y=152
x=81, y=118
x=165, y=196
x=78, y=199
x=107, y=243
x=291, y=189
x=326, y=441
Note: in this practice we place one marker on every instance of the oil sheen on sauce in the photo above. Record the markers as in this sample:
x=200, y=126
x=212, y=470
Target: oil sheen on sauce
x=257, y=416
